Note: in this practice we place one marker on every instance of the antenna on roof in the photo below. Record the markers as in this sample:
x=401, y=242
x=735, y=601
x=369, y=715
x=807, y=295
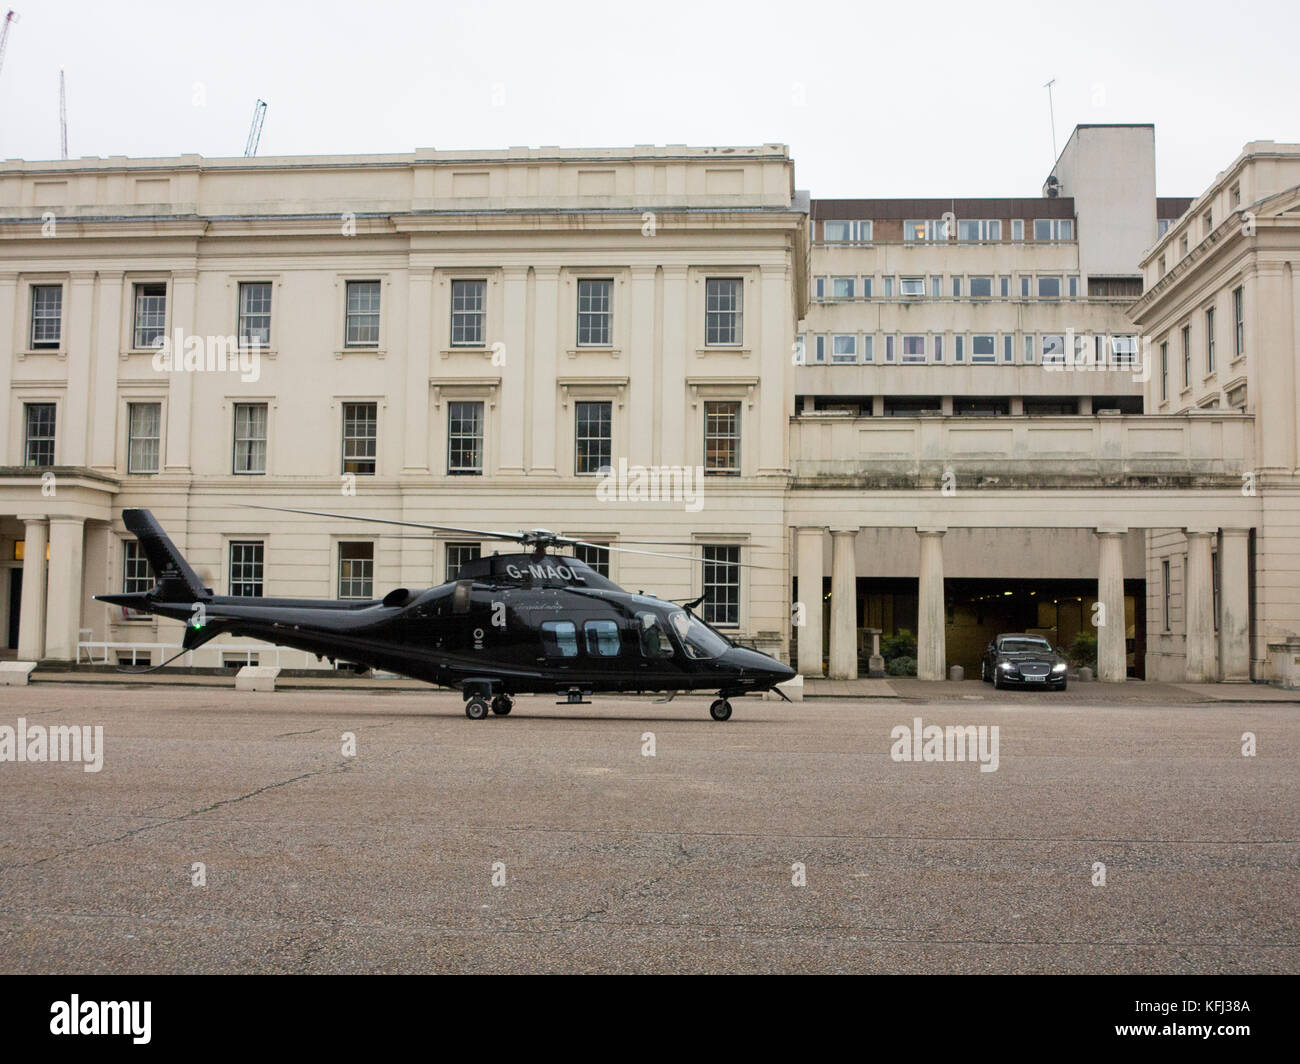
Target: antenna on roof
x=63, y=116
x=1051, y=109
x=255, y=130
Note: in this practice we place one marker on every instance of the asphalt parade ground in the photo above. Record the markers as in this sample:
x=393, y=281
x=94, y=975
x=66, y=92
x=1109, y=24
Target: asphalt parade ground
x=381, y=831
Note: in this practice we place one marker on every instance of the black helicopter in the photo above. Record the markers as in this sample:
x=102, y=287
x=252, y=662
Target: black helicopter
x=509, y=624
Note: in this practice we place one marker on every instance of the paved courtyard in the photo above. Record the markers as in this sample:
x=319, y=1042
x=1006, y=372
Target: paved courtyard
x=612, y=860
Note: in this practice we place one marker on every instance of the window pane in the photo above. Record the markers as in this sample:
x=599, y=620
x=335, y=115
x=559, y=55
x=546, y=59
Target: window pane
x=721, y=585
x=137, y=577
x=602, y=639
x=594, y=302
x=255, y=314
x=465, y=437
x=468, y=299
x=722, y=302
x=47, y=315
x=362, y=314
x=246, y=570
x=144, y=433
x=356, y=570
x=721, y=437
x=39, y=450
x=560, y=639
x=150, y=314
x=360, y=438
x=250, y=438
x=593, y=437
x=458, y=554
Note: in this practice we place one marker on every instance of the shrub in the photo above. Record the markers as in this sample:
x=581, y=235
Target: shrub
x=902, y=644
x=1083, y=651
x=901, y=666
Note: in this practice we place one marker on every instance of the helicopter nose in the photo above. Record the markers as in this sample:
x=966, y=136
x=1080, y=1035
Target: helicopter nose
x=752, y=663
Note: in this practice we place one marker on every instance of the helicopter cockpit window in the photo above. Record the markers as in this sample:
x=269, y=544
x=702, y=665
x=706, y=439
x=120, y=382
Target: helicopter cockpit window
x=698, y=638
x=654, y=640
x=602, y=639
x=560, y=639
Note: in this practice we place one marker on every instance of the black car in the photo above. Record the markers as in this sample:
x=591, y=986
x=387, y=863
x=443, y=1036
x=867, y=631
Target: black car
x=1026, y=660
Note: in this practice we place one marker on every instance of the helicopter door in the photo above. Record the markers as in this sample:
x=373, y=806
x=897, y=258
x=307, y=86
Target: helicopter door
x=656, y=647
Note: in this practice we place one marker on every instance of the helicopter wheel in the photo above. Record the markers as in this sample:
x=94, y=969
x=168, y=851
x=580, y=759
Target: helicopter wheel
x=720, y=710
x=476, y=708
x=502, y=705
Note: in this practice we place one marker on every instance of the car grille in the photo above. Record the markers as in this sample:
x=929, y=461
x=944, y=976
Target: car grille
x=1034, y=668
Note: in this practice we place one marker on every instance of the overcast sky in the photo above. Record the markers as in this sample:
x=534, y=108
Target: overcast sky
x=899, y=99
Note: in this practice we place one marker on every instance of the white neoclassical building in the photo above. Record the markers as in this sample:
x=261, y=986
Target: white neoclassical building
x=862, y=414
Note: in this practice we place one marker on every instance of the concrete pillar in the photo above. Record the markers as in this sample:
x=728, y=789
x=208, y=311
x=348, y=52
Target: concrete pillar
x=63, y=616
x=810, y=564
x=1198, y=609
x=1112, y=664
x=844, y=604
x=31, y=619
x=1234, y=606
x=931, y=642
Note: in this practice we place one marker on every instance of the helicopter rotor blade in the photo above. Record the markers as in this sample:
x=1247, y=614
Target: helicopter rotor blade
x=660, y=554
x=513, y=536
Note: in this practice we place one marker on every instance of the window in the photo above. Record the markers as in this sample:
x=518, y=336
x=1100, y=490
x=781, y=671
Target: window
x=137, y=577
x=362, y=314
x=1024, y=287
x=1004, y=287
x=913, y=348
x=841, y=232
x=1208, y=219
x=889, y=288
x=1167, y=592
x=1029, y=349
x=458, y=554
x=722, y=438
x=722, y=309
x=150, y=315
x=1017, y=229
x=602, y=638
x=959, y=348
x=653, y=638
x=820, y=288
x=1184, y=245
x=937, y=345
x=820, y=349
x=255, y=314
x=1124, y=350
x=1049, y=288
x=983, y=349
x=246, y=570
x=144, y=435
x=465, y=438
x=928, y=230
x=842, y=287
x=1164, y=370
x=560, y=639
x=360, y=437
x=468, y=302
x=844, y=349
x=1074, y=287
x=1236, y=195
x=868, y=349
x=1053, y=229
x=936, y=287
x=1209, y=341
x=593, y=439
x=1053, y=349
x=595, y=302
x=250, y=438
x=356, y=570
x=595, y=556
x=889, y=349
x=721, y=585
x=1187, y=356
x=912, y=287
x=956, y=288
x=39, y=434
x=1239, y=322
x=866, y=288
x=981, y=288
x=979, y=229
x=1008, y=353
x=1162, y=226
x=47, y=316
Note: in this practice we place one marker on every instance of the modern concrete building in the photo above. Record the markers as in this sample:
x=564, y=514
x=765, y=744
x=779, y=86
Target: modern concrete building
x=931, y=412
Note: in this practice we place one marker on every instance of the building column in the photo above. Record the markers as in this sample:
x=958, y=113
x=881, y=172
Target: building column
x=1112, y=661
x=63, y=614
x=1234, y=606
x=844, y=604
x=810, y=566
x=1198, y=607
x=31, y=620
x=931, y=641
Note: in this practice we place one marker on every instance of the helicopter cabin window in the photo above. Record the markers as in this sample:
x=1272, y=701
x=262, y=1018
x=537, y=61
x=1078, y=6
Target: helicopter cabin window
x=654, y=640
x=457, y=555
x=560, y=639
x=465, y=439
x=701, y=641
x=602, y=638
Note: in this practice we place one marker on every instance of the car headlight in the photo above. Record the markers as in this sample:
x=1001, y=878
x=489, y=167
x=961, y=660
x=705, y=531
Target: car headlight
x=1059, y=668
x=1007, y=666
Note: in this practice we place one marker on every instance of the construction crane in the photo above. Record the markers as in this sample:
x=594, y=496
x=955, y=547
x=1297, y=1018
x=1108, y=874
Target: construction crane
x=255, y=130
x=10, y=19
x=63, y=116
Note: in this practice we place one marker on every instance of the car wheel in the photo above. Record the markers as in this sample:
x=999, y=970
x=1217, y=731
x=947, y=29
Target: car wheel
x=997, y=679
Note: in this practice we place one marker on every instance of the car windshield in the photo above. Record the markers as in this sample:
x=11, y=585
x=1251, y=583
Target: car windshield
x=698, y=638
x=1024, y=645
